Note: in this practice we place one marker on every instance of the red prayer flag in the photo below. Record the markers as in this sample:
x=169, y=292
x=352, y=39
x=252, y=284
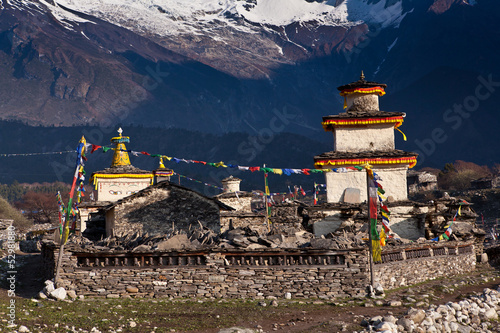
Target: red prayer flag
x=94, y=148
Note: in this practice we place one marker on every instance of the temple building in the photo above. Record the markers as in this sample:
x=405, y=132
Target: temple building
x=116, y=182
x=364, y=135
x=121, y=179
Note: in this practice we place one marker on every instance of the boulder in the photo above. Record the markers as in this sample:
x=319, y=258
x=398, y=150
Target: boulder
x=49, y=287
x=237, y=330
x=142, y=248
x=58, y=294
x=406, y=323
x=177, y=242
x=416, y=315
x=23, y=329
x=131, y=289
x=378, y=289
x=71, y=294
x=491, y=314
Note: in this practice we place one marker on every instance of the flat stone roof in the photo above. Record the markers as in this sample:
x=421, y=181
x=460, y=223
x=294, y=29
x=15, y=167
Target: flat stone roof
x=362, y=83
x=365, y=114
x=395, y=153
x=125, y=169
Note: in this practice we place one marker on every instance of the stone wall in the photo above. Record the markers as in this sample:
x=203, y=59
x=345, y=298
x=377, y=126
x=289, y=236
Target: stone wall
x=365, y=102
x=410, y=265
x=241, y=203
x=241, y=220
x=303, y=274
x=408, y=220
x=323, y=274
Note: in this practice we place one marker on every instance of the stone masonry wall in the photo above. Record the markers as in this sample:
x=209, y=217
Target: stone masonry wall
x=217, y=275
x=312, y=274
x=241, y=203
x=253, y=221
x=416, y=264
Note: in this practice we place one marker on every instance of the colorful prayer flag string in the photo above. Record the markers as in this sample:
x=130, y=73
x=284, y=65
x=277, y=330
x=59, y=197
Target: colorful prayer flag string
x=448, y=231
x=198, y=181
x=38, y=154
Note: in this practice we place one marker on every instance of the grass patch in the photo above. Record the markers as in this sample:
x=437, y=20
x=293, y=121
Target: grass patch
x=179, y=315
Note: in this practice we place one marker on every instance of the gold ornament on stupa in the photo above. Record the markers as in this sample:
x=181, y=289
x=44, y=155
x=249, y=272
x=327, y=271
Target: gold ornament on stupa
x=120, y=158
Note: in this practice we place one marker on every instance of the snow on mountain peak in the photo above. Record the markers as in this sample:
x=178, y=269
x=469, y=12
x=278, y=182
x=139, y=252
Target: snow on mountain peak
x=172, y=17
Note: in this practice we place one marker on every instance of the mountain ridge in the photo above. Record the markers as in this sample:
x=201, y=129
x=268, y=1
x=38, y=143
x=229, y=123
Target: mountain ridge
x=61, y=66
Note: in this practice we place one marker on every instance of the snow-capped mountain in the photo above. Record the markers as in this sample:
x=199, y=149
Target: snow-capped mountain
x=228, y=65
x=222, y=32
x=170, y=17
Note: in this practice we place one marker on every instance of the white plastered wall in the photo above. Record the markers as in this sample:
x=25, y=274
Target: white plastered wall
x=119, y=188
x=231, y=186
x=393, y=181
x=364, y=138
x=85, y=216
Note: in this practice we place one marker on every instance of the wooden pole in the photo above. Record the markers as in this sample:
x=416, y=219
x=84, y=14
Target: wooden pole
x=370, y=247
x=266, y=186
x=65, y=229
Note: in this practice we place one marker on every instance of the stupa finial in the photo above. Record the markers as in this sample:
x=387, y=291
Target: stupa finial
x=362, y=77
x=162, y=166
x=120, y=158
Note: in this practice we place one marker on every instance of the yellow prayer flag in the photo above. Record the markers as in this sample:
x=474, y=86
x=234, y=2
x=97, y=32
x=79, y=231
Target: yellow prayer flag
x=383, y=236
x=377, y=250
x=278, y=171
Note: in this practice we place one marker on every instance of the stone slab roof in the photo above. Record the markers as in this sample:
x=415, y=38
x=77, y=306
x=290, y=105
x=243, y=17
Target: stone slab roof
x=362, y=83
x=126, y=169
x=165, y=184
x=228, y=195
x=231, y=178
x=94, y=204
x=365, y=114
x=395, y=153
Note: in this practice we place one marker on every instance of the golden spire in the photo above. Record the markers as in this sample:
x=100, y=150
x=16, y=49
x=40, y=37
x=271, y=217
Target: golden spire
x=162, y=166
x=362, y=77
x=120, y=158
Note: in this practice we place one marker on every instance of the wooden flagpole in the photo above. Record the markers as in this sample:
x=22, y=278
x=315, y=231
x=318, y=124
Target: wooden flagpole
x=266, y=186
x=370, y=246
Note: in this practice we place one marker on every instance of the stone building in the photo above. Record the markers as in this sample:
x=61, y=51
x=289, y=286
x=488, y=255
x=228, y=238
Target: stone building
x=241, y=201
x=364, y=135
x=110, y=185
x=485, y=183
x=419, y=181
x=232, y=196
x=161, y=209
